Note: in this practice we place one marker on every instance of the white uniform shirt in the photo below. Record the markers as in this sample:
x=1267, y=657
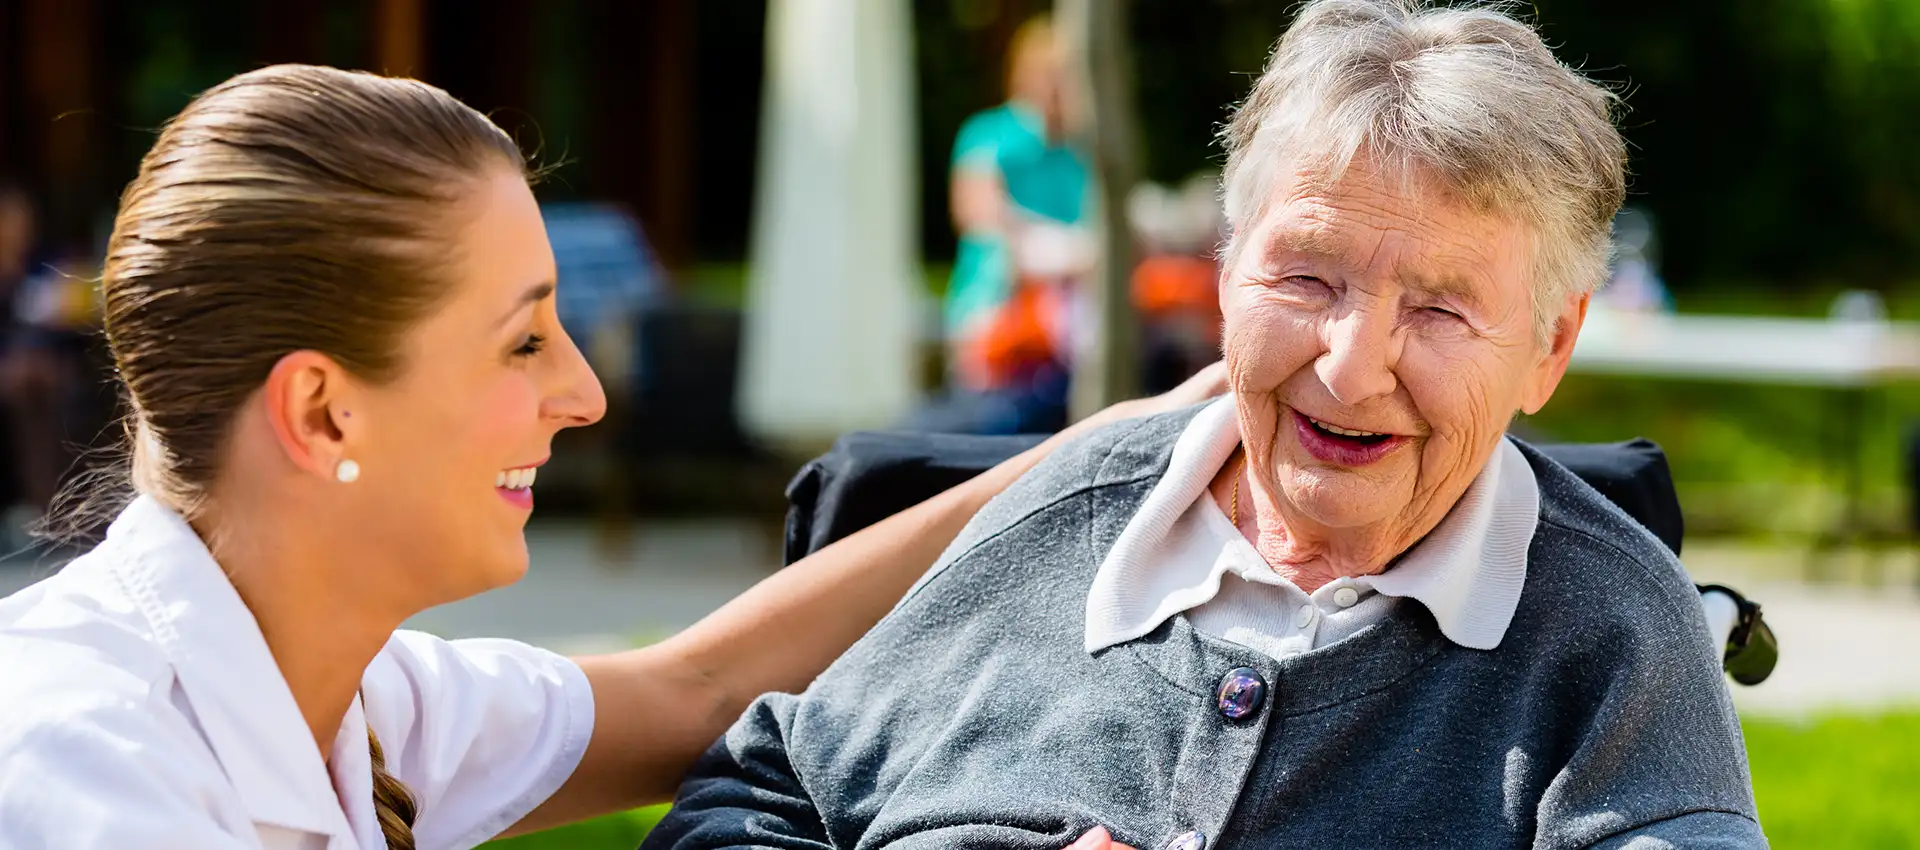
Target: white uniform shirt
x=140, y=707
x=1180, y=554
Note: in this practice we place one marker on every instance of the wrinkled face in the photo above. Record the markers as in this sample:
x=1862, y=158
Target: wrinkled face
x=487, y=381
x=1379, y=339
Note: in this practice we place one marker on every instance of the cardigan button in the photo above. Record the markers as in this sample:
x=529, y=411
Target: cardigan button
x=1187, y=841
x=1242, y=693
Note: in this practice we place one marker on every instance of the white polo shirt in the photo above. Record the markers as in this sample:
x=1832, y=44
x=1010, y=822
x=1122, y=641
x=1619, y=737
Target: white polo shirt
x=1181, y=554
x=140, y=707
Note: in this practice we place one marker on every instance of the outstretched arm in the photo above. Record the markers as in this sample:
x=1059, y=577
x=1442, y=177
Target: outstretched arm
x=658, y=708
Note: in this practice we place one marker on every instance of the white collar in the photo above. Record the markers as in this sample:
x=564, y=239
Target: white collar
x=1468, y=571
x=222, y=662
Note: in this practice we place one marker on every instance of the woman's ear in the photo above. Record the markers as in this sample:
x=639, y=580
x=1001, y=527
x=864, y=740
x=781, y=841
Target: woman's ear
x=1552, y=365
x=306, y=400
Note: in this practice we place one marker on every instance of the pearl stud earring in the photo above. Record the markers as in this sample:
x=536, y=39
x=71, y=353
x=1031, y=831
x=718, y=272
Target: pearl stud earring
x=347, y=472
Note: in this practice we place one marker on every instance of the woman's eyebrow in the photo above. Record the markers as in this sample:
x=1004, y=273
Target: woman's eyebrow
x=534, y=295
x=1312, y=242
x=1446, y=287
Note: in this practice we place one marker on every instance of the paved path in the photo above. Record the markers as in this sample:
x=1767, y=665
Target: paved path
x=573, y=601
x=1851, y=647
x=1842, y=647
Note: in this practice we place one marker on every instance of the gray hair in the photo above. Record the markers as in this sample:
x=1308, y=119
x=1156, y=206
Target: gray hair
x=1468, y=97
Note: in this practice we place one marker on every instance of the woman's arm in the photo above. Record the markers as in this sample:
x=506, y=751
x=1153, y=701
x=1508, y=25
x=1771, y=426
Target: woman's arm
x=657, y=709
x=979, y=202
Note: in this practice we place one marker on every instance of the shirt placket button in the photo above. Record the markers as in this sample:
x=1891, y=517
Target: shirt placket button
x=1187, y=841
x=1241, y=695
x=1304, y=617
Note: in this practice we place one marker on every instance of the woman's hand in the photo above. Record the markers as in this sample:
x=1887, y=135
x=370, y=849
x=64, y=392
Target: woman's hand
x=1205, y=384
x=1097, y=839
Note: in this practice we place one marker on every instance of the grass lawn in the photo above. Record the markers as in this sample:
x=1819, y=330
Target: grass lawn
x=1840, y=781
x=614, y=832
x=1835, y=782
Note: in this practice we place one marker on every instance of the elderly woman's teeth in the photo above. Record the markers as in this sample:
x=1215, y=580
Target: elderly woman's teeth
x=516, y=479
x=1344, y=432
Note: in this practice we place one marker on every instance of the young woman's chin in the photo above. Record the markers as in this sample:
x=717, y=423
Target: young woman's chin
x=509, y=563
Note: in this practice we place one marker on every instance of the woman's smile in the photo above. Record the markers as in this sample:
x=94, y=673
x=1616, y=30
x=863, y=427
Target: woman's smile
x=1329, y=443
x=516, y=485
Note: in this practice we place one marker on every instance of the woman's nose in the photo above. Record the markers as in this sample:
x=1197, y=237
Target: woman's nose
x=579, y=399
x=1358, y=363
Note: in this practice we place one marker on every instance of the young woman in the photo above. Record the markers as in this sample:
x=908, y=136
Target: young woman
x=330, y=298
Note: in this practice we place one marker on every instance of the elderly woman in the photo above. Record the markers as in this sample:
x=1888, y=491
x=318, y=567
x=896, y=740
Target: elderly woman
x=1341, y=608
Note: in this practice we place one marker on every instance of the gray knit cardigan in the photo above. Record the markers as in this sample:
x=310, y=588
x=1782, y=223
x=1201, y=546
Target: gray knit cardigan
x=972, y=716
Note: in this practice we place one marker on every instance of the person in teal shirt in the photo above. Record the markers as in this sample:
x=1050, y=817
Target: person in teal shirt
x=1019, y=192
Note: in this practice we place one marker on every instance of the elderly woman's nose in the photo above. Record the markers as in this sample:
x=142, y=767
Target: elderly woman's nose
x=1358, y=362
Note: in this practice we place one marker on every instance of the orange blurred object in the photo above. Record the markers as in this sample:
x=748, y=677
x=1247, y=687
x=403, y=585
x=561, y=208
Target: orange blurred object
x=1171, y=283
x=1024, y=334
x=1013, y=343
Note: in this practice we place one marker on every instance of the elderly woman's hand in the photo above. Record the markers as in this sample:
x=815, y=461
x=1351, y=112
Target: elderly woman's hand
x=1097, y=839
x=1205, y=384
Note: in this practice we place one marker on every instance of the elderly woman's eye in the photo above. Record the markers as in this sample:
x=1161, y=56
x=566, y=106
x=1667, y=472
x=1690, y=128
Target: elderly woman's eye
x=1442, y=313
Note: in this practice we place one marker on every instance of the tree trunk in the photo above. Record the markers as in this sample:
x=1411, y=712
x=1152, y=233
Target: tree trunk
x=1106, y=363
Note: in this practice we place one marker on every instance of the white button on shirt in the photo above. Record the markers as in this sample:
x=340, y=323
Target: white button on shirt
x=140, y=707
x=1304, y=618
x=1180, y=554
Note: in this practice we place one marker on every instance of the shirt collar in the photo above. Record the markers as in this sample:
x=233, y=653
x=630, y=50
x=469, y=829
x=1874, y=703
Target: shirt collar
x=1468, y=571
x=222, y=663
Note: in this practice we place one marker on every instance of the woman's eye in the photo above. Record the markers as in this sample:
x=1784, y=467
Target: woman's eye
x=1304, y=283
x=1442, y=313
x=531, y=347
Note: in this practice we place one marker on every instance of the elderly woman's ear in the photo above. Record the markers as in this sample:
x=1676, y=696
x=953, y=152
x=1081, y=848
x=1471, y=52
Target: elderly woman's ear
x=1557, y=353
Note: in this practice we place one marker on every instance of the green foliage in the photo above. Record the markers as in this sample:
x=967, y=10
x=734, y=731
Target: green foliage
x=1772, y=139
x=1747, y=459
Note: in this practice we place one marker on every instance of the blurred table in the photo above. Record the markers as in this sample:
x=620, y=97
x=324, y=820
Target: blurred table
x=1853, y=356
x=1749, y=349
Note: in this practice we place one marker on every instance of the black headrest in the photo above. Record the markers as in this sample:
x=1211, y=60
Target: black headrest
x=870, y=475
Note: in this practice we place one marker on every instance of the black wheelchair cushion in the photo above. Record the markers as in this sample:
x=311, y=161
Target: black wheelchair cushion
x=870, y=475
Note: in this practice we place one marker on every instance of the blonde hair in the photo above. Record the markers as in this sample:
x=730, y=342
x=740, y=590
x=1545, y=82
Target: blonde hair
x=1033, y=36
x=1465, y=96
x=392, y=802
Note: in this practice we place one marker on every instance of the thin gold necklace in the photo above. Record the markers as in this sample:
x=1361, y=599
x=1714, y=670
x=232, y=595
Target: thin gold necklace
x=1234, y=502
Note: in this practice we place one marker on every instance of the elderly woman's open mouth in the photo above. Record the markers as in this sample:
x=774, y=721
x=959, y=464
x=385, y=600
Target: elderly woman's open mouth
x=1330, y=442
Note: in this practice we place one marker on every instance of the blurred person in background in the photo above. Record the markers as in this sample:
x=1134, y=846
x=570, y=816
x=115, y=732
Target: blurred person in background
x=18, y=230
x=1634, y=284
x=1175, y=288
x=1019, y=201
x=48, y=304
x=608, y=275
